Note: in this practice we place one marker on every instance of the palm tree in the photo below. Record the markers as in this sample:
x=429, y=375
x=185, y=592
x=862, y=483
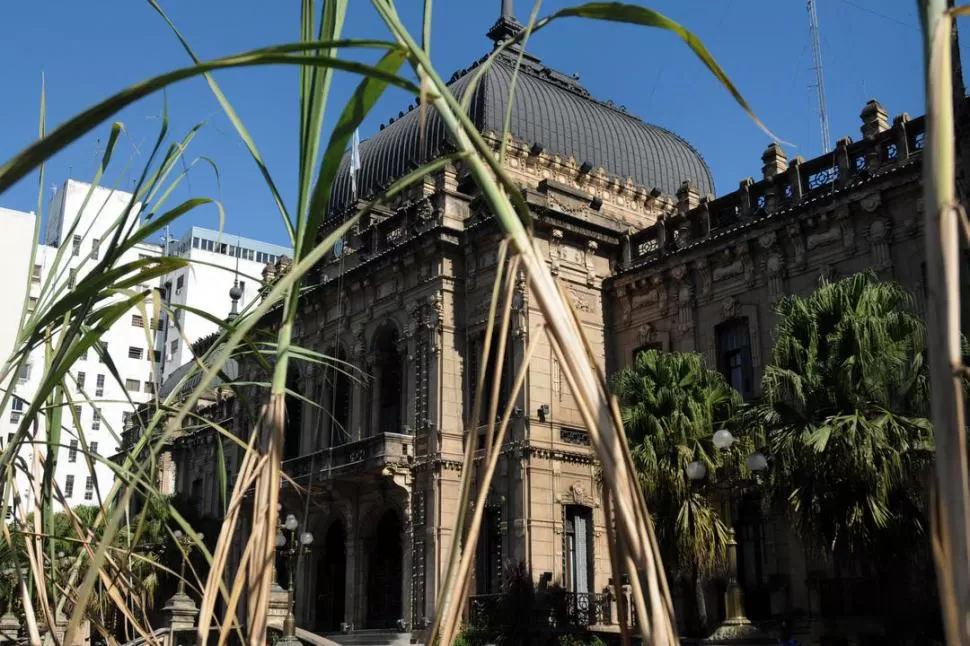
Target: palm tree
x=671, y=405
x=844, y=404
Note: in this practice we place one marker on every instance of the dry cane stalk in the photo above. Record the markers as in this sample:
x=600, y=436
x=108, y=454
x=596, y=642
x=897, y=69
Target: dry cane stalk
x=941, y=216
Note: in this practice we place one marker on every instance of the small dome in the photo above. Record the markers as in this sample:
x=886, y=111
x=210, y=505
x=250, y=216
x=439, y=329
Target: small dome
x=235, y=292
x=549, y=109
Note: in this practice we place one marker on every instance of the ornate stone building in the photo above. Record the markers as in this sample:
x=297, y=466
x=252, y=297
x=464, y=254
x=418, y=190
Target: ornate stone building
x=623, y=211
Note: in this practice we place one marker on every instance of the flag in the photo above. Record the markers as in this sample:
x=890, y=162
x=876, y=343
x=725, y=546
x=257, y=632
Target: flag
x=354, y=161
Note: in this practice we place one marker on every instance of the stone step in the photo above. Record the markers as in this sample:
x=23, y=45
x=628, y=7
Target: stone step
x=371, y=638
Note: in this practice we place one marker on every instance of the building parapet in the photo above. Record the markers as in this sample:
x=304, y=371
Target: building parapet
x=784, y=186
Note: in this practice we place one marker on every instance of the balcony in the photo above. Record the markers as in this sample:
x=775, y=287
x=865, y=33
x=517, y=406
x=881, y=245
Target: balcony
x=364, y=457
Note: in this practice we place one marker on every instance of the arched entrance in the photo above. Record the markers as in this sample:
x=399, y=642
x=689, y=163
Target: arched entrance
x=332, y=579
x=384, y=573
x=389, y=375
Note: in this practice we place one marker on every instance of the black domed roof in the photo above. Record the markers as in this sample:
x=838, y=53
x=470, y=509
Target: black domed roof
x=549, y=109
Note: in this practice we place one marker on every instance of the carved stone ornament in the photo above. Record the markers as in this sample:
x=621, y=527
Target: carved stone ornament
x=871, y=202
x=730, y=308
x=727, y=266
x=775, y=273
x=646, y=334
x=879, y=238
x=824, y=233
x=704, y=275
x=794, y=231
x=577, y=495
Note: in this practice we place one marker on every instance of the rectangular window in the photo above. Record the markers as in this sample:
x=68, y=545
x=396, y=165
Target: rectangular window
x=76, y=245
x=10, y=437
x=96, y=420
x=505, y=378
x=135, y=353
x=195, y=243
x=733, y=342
x=69, y=486
x=71, y=278
x=174, y=346
x=137, y=320
x=150, y=387
x=37, y=273
x=80, y=381
x=94, y=448
x=132, y=385
x=95, y=244
x=17, y=404
x=210, y=245
x=72, y=451
x=157, y=354
x=77, y=413
x=488, y=560
x=579, y=549
x=24, y=374
x=89, y=488
x=31, y=304
x=99, y=391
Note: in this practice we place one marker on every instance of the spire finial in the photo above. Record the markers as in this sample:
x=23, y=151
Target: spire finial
x=506, y=26
x=235, y=292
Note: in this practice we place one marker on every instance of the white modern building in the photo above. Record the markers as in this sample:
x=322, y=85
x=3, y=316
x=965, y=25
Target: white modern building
x=218, y=262
x=142, y=345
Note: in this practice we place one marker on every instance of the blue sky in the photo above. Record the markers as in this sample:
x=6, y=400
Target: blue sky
x=88, y=50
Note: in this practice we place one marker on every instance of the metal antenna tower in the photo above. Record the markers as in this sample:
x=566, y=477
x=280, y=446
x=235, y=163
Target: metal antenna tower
x=823, y=114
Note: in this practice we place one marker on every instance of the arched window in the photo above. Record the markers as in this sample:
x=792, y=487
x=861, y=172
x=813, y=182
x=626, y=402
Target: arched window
x=389, y=382
x=293, y=422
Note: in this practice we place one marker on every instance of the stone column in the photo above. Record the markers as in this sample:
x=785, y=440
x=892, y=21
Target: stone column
x=687, y=197
x=774, y=161
x=359, y=393
x=795, y=178
x=406, y=573
x=875, y=119
x=350, y=591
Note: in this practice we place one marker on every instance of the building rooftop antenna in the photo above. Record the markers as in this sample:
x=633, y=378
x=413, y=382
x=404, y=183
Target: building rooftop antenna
x=823, y=115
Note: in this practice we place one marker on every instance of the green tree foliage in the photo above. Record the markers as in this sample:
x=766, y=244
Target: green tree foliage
x=671, y=405
x=845, y=401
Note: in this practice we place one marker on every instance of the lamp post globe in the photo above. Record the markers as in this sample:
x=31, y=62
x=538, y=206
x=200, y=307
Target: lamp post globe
x=696, y=470
x=723, y=439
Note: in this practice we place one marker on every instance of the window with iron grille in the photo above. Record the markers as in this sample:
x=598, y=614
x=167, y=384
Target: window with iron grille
x=72, y=451
x=733, y=342
x=95, y=244
x=89, y=488
x=137, y=320
x=76, y=245
x=24, y=374
x=96, y=421
x=132, y=385
x=135, y=353
x=94, y=448
x=80, y=381
x=69, y=486
x=99, y=391
x=579, y=548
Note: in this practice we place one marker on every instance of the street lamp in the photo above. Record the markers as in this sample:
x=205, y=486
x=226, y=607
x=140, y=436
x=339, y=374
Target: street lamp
x=290, y=543
x=736, y=627
x=187, y=544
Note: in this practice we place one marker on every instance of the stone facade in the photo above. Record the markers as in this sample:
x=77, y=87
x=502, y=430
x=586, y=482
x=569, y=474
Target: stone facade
x=374, y=466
